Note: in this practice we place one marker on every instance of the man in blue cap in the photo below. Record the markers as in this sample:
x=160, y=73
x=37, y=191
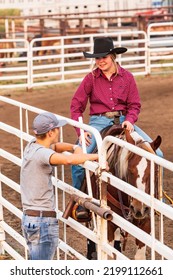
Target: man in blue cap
x=39, y=222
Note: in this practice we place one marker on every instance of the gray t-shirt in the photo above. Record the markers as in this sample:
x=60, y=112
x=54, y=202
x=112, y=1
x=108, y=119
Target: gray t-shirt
x=37, y=190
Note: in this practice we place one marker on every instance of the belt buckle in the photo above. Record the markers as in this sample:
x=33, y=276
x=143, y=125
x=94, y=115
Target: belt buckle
x=111, y=115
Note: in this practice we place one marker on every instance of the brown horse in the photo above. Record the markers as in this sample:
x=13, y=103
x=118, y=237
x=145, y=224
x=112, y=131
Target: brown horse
x=49, y=40
x=135, y=170
x=5, y=46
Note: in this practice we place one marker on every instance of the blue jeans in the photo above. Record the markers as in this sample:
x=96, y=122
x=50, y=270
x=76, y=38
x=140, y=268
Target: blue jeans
x=41, y=234
x=100, y=122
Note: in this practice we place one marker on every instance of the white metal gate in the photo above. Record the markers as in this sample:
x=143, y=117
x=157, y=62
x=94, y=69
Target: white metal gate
x=148, y=53
x=99, y=235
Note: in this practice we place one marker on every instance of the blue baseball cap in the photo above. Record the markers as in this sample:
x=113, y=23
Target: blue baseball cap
x=45, y=122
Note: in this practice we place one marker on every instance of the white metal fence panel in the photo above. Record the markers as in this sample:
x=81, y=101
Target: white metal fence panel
x=160, y=47
x=14, y=69
x=24, y=111
x=158, y=245
x=55, y=60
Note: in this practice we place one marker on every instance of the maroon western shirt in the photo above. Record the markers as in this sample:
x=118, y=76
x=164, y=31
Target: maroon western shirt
x=118, y=93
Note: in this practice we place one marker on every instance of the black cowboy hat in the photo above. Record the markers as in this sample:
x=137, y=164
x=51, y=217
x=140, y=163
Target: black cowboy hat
x=104, y=46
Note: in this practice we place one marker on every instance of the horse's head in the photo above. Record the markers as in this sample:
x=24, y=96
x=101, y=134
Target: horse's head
x=138, y=172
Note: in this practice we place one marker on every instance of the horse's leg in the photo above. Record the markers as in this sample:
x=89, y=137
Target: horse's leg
x=141, y=247
x=91, y=250
x=117, y=241
x=114, y=236
x=141, y=251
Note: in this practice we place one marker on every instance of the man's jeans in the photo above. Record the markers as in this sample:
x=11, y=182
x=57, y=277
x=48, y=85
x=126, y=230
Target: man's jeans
x=100, y=122
x=41, y=234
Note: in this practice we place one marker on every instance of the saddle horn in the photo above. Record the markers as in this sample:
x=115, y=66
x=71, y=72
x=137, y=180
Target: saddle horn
x=129, y=139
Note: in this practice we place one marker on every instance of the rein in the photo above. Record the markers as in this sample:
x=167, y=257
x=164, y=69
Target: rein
x=115, y=202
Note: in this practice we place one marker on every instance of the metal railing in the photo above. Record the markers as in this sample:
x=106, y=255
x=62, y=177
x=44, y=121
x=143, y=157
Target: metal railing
x=104, y=248
x=62, y=60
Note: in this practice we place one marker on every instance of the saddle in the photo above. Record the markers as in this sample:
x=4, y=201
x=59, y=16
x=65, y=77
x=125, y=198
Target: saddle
x=112, y=130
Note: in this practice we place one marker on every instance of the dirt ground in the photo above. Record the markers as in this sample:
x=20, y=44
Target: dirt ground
x=156, y=117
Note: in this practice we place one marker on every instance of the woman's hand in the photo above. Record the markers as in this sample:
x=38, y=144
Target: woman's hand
x=87, y=136
x=128, y=126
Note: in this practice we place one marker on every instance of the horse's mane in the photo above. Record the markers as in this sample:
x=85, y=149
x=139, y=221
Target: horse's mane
x=121, y=164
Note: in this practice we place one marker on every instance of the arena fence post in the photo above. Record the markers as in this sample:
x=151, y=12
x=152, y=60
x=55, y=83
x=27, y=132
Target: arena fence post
x=2, y=232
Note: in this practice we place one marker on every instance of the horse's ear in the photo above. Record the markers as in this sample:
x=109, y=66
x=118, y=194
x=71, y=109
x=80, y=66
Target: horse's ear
x=129, y=138
x=156, y=143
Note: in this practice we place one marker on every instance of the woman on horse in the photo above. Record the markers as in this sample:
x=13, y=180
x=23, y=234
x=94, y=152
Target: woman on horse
x=113, y=96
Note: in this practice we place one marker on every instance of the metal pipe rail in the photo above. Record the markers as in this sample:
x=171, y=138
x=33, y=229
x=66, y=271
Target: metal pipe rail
x=104, y=249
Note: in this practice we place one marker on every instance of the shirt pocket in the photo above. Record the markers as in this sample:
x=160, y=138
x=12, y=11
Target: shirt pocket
x=121, y=94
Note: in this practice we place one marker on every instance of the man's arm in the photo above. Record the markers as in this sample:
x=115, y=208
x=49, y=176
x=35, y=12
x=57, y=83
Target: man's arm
x=76, y=158
x=62, y=147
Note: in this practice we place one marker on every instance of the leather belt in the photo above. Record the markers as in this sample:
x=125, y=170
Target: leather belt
x=37, y=213
x=114, y=114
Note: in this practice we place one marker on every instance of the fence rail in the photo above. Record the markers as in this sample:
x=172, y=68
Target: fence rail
x=64, y=189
